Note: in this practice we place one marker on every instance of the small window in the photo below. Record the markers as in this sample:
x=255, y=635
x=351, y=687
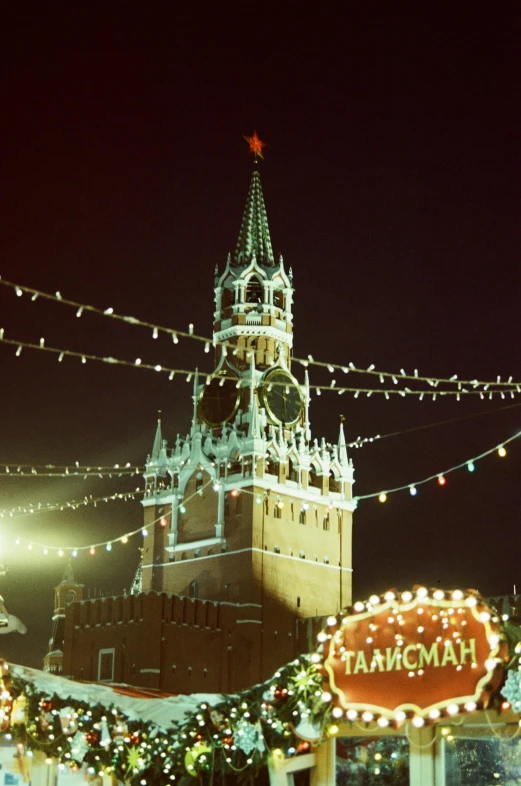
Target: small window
x=278, y=299
x=298, y=601
x=277, y=512
x=106, y=665
x=325, y=522
x=302, y=517
x=193, y=589
x=254, y=291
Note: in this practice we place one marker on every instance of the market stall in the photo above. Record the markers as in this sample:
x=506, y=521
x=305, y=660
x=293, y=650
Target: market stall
x=420, y=687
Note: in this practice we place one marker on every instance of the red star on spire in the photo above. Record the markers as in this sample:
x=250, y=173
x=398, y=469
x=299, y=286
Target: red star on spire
x=255, y=144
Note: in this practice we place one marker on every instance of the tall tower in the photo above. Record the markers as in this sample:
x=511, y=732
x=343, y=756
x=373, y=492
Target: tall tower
x=247, y=508
x=68, y=591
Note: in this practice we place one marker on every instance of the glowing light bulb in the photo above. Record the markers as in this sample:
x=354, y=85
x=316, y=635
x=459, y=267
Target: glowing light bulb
x=441, y=480
x=124, y=539
x=109, y=547
x=470, y=466
x=182, y=509
x=163, y=522
x=501, y=452
x=413, y=491
x=382, y=497
x=92, y=550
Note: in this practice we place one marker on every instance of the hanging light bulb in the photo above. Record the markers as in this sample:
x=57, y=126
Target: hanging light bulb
x=501, y=452
x=441, y=480
x=413, y=491
x=382, y=497
x=470, y=466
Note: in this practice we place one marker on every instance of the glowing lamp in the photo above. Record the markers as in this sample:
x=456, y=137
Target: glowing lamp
x=382, y=497
x=470, y=466
x=441, y=480
x=413, y=491
x=163, y=522
x=501, y=452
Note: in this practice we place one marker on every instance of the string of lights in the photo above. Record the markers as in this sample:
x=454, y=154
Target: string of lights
x=277, y=497
x=68, y=473
x=189, y=374
x=48, y=507
x=332, y=367
x=74, y=551
x=441, y=477
x=69, y=467
x=117, y=470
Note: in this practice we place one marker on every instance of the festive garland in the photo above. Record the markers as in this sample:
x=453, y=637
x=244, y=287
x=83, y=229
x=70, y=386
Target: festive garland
x=236, y=734
x=287, y=715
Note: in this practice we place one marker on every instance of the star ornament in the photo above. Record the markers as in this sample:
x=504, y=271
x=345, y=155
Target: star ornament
x=255, y=144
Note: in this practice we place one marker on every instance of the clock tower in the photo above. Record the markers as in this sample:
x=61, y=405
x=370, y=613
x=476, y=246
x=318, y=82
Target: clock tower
x=248, y=510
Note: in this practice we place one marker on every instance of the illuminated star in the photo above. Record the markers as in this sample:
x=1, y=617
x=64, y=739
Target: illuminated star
x=255, y=144
x=133, y=758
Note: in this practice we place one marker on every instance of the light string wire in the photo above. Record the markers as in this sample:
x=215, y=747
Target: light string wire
x=28, y=510
x=189, y=374
x=350, y=367
x=15, y=469
x=75, y=550
x=275, y=495
x=440, y=476
x=33, y=473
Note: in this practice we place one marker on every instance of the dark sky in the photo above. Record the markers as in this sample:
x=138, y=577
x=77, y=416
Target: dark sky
x=392, y=180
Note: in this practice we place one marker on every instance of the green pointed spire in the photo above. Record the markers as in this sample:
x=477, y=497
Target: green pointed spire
x=68, y=576
x=254, y=237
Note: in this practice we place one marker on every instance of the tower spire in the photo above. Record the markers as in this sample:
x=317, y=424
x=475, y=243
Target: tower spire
x=158, y=439
x=68, y=576
x=342, y=448
x=254, y=236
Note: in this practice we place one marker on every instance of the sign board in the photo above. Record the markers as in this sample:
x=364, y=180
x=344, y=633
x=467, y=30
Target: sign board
x=420, y=655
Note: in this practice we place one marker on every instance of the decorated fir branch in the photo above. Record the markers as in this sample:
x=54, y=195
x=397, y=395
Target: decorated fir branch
x=236, y=733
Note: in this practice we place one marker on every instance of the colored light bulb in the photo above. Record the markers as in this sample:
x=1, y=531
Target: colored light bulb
x=441, y=480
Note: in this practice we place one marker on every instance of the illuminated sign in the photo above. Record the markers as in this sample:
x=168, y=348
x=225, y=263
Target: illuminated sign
x=417, y=655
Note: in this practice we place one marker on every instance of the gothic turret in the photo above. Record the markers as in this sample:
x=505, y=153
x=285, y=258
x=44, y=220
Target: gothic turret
x=67, y=591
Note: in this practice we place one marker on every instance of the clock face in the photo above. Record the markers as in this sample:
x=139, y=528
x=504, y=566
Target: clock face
x=219, y=401
x=281, y=397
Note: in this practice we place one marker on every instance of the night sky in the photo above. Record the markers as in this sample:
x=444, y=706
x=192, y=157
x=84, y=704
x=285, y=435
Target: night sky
x=392, y=181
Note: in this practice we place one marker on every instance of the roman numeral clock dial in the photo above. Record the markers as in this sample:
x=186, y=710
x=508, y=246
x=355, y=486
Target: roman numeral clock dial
x=219, y=401
x=281, y=397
